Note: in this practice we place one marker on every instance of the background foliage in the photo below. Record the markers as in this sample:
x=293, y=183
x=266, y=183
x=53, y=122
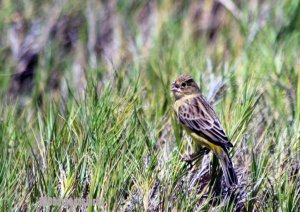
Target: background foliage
x=85, y=107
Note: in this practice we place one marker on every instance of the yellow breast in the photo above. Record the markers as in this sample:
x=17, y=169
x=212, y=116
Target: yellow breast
x=182, y=101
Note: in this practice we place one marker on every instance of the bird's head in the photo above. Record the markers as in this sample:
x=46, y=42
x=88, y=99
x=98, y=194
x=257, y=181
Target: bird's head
x=184, y=85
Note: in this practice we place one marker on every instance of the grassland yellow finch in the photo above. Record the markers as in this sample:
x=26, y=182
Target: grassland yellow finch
x=201, y=122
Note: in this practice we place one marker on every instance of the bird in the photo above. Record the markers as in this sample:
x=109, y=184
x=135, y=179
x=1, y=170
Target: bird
x=200, y=121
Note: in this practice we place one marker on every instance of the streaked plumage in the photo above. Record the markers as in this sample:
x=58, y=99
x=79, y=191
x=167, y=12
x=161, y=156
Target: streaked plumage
x=201, y=123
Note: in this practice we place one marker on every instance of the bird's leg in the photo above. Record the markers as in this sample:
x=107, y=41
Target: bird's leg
x=190, y=158
x=194, y=156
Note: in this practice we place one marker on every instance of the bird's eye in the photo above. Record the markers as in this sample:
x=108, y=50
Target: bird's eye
x=183, y=85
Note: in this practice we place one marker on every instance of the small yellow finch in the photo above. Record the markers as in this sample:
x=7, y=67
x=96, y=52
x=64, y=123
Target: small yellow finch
x=202, y=124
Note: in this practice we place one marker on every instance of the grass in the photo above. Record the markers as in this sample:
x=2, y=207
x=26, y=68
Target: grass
x=95, y=126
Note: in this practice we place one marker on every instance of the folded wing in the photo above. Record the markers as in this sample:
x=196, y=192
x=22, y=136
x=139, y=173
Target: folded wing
x=199, y=117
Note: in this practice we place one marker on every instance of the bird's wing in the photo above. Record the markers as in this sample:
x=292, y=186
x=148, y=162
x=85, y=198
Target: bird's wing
x=196, y=114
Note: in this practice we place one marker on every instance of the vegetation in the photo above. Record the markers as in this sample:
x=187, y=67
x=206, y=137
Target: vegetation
x=86, y=107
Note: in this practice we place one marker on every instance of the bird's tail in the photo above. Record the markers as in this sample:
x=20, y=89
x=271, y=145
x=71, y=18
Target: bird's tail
x=227, y=167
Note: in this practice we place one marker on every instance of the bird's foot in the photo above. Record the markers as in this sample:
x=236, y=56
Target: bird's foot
x=194, y=156
x=188, y=158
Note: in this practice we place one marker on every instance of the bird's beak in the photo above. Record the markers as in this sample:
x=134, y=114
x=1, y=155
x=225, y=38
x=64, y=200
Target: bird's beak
x=174, y=87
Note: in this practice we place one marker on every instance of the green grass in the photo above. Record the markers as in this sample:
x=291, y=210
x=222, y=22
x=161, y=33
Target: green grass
x=118, y=140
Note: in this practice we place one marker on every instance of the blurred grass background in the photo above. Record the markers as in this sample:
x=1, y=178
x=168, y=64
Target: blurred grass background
x=86, y=108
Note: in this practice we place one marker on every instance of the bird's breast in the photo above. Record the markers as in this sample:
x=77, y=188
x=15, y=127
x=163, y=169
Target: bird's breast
x=183, y=101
